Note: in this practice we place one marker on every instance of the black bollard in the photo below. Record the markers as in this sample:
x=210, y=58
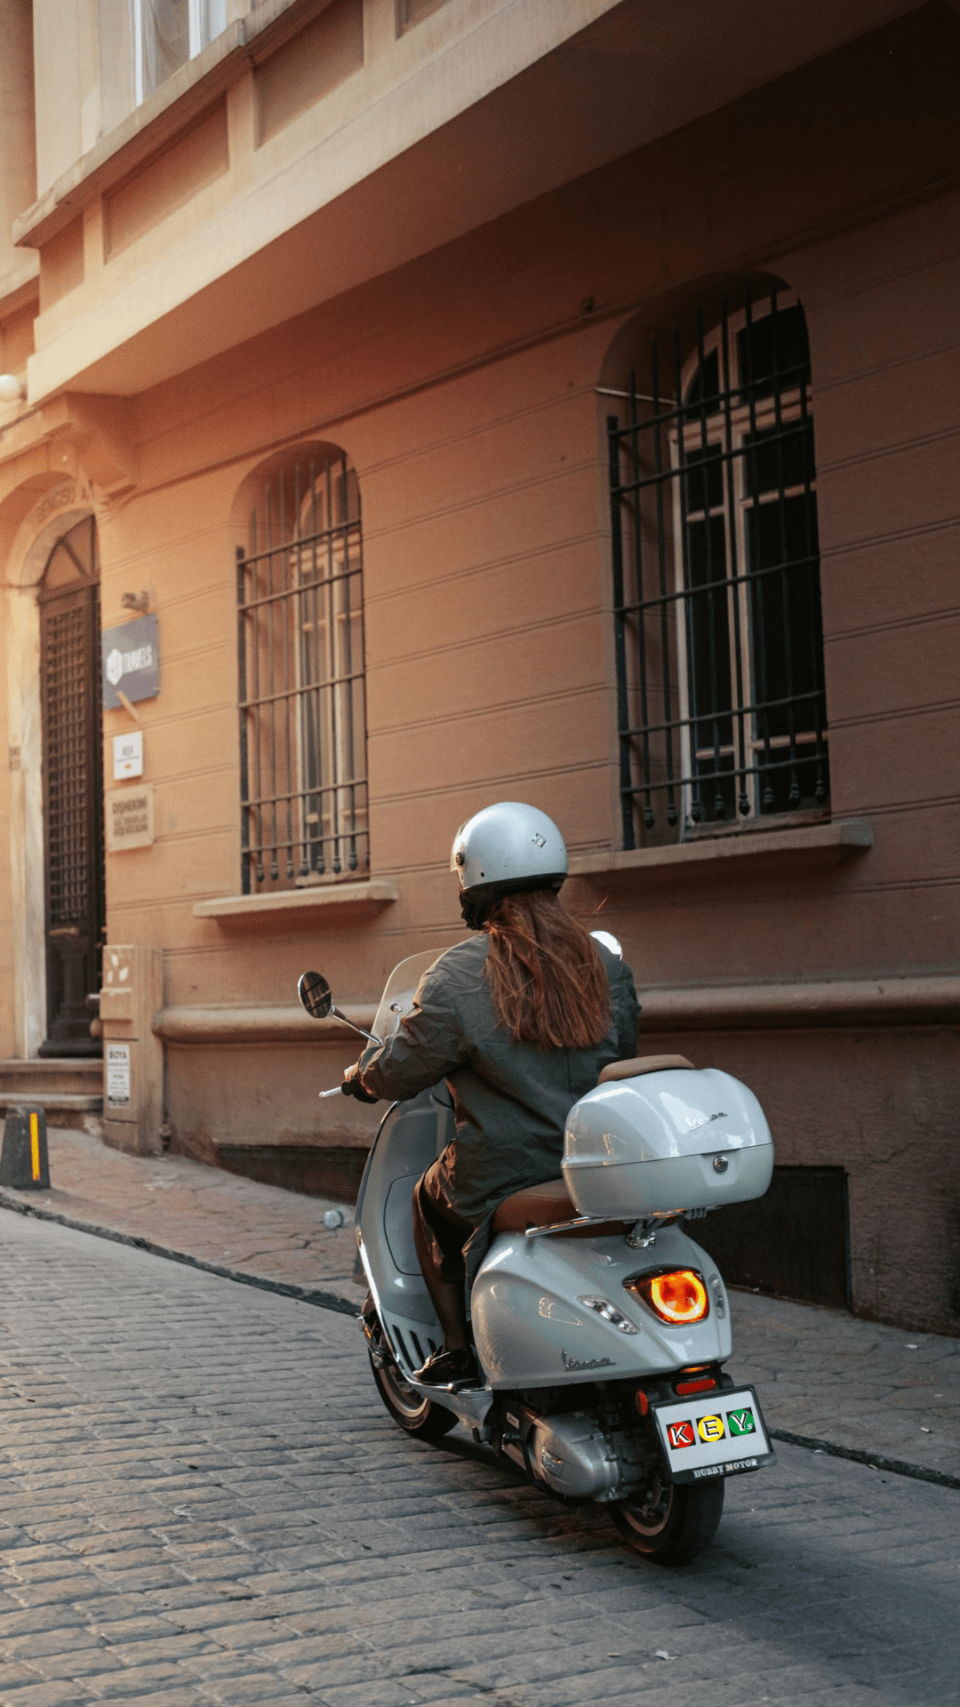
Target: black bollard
x=24, y=1163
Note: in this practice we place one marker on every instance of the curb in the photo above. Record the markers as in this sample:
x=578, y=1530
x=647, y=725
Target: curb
x=873, y=1460
x=287, y=1289
x=323, y=1300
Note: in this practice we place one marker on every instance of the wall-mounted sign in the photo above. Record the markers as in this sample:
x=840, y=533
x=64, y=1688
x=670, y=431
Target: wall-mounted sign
x=116, y=1061
x=128, y=755
x=131, y=661
x=129, y=818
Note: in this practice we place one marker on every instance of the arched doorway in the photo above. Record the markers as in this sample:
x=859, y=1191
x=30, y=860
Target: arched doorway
x=70, y=697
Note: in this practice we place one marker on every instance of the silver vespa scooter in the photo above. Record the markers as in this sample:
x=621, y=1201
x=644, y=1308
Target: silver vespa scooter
x=600, y=1327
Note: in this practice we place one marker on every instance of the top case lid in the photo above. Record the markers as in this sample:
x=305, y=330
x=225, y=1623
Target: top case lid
x=677, y=1112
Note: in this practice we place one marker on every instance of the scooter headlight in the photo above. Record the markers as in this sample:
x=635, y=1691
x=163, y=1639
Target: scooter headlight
x=678, y=1296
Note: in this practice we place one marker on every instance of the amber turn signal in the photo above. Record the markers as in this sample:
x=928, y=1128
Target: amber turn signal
x=678, y=1297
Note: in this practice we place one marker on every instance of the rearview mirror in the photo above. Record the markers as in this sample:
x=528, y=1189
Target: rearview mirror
x=317, y=997
x=315, y=994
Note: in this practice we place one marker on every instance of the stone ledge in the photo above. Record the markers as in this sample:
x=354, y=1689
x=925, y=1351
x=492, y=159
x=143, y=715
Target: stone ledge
x=264, y=1024
x=816, y=844
x=356, y=897
x=922, y=999
x=30, y=1068
x=179, y=100
x=52, y=1102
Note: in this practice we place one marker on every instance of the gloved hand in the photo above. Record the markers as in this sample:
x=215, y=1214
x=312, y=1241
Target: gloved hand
x=352, y=1087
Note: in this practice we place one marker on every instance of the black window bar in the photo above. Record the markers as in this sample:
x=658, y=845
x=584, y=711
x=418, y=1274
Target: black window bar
x=303, y=739
x=719, y=645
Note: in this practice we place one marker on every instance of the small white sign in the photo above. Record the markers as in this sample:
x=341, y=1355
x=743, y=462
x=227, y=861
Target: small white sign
x=128, y=755
x=118, y=1075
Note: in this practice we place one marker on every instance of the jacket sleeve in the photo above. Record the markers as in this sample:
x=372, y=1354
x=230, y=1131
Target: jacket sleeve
x=626, y=1010
x=428, y=1045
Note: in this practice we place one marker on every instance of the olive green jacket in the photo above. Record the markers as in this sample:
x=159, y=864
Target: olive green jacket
x=510, y=1100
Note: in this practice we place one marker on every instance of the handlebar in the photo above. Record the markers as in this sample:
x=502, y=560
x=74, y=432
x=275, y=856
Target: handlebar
x=349, y=1088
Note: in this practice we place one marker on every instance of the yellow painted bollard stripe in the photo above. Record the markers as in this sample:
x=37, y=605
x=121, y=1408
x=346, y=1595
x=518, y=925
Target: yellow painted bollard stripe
x=34, y=1145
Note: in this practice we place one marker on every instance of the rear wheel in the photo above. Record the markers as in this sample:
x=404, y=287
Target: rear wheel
x=416, y=1415
x=668, y=1522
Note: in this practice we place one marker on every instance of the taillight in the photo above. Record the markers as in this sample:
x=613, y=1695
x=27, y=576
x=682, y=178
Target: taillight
x=685, y=1387
x=678, y=1297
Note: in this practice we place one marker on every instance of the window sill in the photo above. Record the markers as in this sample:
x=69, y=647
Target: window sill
x=365, y=897
x=811, y=844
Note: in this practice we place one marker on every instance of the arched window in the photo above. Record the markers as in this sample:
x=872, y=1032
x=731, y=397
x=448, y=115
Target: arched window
x=302, y=703
x=721, y=698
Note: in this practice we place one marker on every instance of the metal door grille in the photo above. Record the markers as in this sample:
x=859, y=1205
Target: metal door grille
x=68, y=685
x=72, y=784
x=719, y=649
x=302, y=692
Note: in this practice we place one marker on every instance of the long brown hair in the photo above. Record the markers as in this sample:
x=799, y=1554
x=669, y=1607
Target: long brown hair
x=547, y=982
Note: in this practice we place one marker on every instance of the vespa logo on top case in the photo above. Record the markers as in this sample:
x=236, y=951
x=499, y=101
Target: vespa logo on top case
x=681, y=1434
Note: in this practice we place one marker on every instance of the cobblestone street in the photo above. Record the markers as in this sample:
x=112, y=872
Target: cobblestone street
x=825, y=1375
x=202, y=1501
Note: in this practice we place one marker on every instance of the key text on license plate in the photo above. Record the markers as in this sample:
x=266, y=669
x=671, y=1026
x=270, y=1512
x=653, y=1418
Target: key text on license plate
x=722, y=1434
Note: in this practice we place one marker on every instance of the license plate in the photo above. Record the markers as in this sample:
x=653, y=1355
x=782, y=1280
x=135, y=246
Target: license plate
x=715, y=1434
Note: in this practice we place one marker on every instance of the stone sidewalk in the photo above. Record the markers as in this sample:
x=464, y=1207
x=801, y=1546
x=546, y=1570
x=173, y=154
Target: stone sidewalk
x=822, y=1375
x=226, y=1222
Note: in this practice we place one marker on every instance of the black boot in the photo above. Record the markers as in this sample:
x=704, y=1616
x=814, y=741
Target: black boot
x=452, y=1369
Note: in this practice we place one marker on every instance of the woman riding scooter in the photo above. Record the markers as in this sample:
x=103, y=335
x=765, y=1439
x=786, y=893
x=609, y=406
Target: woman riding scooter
x=519, y=1022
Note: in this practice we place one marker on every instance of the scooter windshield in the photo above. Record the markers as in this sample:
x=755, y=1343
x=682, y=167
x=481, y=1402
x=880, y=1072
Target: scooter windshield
x=397, y=998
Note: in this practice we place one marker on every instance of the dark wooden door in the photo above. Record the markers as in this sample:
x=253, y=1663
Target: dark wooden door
x=72, y=790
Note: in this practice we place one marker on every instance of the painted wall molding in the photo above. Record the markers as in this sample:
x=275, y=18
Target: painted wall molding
x=895, y=1000
x=263, y=1024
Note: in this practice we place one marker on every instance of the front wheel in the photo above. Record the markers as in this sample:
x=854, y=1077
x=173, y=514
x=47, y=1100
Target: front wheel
x=670, y=1523
x=416, y=1415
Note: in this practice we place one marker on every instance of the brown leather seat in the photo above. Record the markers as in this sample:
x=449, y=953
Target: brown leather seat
x=642, y=1064
x=537, y=1206
x=542, y=1206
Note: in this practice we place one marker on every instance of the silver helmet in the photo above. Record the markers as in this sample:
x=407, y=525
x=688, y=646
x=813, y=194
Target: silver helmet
x=503, y=850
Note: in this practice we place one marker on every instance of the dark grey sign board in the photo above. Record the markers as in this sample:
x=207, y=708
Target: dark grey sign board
x=131, y=661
